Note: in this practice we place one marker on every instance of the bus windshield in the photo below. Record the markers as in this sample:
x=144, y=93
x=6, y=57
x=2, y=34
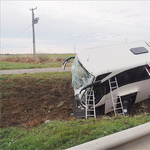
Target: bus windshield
x=80, y=76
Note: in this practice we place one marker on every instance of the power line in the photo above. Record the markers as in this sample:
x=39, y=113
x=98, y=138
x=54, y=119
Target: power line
x=16, y=35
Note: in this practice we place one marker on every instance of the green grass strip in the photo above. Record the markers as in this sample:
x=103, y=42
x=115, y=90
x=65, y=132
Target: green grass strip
x=16, y=65
x=44, y=75
x=64, y=134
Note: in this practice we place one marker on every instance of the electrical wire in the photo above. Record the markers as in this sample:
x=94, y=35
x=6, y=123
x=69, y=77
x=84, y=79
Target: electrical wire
x=16, y=35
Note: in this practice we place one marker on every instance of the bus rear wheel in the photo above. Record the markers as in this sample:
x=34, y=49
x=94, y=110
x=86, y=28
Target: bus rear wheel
x=126, y=106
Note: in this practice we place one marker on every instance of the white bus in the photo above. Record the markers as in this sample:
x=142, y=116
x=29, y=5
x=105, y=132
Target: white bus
x=93, y=68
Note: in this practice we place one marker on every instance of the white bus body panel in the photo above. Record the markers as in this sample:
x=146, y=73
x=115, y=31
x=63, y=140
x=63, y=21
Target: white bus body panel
x=114, y=60
x=142, y=89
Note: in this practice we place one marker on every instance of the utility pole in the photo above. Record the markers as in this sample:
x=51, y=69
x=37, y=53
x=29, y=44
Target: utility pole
x=34, y=21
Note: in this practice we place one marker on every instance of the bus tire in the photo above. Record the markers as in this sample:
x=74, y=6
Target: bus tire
x=126, y=106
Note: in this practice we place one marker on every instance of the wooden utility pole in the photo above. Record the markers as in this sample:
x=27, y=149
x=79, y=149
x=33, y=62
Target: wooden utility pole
x=34, y=21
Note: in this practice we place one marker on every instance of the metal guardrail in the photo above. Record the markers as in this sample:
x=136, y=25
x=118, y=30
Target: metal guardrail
x=137, y=138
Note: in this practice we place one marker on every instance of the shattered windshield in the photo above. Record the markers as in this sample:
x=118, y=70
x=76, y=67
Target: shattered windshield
x=80, y=77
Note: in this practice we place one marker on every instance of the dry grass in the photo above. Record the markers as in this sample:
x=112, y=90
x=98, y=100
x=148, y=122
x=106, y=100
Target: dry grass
x=29, y=59
x=141, y=108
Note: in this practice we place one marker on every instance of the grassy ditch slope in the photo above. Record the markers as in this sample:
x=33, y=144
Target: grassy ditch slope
x=28, y=100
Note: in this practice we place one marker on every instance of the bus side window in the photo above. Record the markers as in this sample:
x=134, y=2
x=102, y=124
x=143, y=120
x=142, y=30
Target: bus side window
x=144, y=73
x=123, y=78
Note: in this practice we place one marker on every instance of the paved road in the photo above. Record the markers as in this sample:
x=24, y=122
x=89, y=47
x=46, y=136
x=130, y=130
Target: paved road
x=22, y=71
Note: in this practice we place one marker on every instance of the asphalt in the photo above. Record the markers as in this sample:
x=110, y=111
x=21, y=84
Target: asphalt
x=23, y=71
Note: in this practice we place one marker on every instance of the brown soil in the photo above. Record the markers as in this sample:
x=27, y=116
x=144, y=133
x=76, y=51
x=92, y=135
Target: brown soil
x=29, y=102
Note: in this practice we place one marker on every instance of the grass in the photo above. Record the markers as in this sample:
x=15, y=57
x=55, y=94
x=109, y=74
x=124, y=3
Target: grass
x=17, y=65
x=45, y=75
x=26, y=98
x=64, y=134
x=10, y=82
x=56, y=135
x=28, y=61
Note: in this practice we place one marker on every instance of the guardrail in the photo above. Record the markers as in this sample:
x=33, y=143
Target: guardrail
x=136, y=138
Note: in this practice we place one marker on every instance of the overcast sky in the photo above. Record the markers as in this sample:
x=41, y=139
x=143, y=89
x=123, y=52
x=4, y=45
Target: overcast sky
x=68, y=26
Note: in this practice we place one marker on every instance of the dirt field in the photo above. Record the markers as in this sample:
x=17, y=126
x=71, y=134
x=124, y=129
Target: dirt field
x=27, y=102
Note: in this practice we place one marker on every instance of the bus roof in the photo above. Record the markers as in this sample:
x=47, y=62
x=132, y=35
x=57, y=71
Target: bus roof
x=112, y=58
